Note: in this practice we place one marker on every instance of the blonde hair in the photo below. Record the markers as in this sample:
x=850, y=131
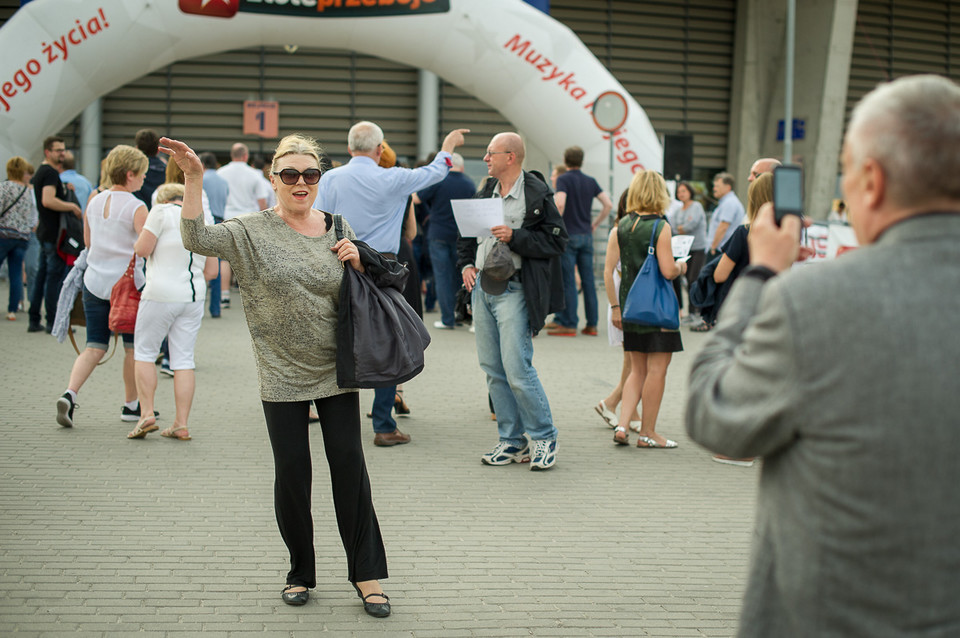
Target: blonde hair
x=17, y=167
x=759, y=193
x=174, y=174
x=105, y=181
x=296, y=144
x=123, y=159
x=647, y=193
x=171, y=191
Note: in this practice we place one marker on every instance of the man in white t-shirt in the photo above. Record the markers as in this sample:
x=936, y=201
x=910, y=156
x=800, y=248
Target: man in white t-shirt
x=244, y=197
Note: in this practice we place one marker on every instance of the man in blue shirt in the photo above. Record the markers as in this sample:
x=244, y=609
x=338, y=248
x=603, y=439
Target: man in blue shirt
x=574, y=197
x=442, y=236
x=81, y=185
x=373, y=200
x=217, y=189
x=726, y=216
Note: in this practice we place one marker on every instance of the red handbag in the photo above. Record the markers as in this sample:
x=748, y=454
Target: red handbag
x=124, y=303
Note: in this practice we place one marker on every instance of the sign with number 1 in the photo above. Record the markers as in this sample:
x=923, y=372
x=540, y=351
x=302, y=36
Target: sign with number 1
x=261, y=118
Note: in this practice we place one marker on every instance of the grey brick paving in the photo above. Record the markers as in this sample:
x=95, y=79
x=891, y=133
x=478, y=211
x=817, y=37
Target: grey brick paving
x=101, y=536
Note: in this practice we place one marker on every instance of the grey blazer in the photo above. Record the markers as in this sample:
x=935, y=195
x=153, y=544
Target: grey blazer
x=845, y=378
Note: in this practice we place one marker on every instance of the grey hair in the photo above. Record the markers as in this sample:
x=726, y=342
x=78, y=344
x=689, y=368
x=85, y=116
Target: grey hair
x=911, y=127
x=456, y=159
x=364, y=137
x=726, y=178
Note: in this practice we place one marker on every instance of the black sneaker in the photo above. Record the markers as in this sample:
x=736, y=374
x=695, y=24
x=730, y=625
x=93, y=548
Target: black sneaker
x=225, y=303
x=36, y=327
x=65, y=406
x=126, y=414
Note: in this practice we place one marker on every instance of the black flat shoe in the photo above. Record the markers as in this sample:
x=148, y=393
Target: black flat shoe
x=377, y=610
x=295, y=597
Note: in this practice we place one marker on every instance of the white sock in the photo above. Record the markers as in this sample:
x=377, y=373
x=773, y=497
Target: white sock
x=132, y=405
x=73, y=395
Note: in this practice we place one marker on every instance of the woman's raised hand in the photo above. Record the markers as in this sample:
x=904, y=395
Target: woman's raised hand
x=184, y=156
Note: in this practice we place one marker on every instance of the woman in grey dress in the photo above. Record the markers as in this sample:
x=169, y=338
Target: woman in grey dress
x=289, y=266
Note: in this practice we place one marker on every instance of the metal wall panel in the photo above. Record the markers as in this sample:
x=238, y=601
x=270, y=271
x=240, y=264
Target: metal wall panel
x=675, y=59
x=894, y=38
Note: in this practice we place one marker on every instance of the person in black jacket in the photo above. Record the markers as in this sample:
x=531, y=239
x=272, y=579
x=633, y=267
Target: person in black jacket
x=520, y=283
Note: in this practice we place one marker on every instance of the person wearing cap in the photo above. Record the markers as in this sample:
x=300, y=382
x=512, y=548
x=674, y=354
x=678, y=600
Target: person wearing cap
x=373, y=200
x=519, y=272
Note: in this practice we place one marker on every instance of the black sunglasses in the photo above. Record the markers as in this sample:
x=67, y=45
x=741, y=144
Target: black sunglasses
x=291, y=176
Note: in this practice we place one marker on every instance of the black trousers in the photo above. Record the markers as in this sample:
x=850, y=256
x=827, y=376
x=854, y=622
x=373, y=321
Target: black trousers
x=287, y=424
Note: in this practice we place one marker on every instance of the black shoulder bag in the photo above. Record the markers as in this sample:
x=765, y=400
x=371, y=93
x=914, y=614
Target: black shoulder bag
x=380, y=338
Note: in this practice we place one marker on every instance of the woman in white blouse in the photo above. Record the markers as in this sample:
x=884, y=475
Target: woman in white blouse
x=111, y=224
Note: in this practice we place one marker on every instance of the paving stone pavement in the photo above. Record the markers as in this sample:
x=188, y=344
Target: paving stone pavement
x=103, y=536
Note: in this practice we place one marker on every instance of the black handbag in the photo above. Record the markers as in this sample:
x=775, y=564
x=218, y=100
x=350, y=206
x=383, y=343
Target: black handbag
x=70, y=236
x=380, y=338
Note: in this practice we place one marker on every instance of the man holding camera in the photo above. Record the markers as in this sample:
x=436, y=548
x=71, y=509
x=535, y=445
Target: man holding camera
x=837, y=375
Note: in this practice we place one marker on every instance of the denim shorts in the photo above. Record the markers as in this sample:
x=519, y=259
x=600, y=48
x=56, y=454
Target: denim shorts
x=97, y=311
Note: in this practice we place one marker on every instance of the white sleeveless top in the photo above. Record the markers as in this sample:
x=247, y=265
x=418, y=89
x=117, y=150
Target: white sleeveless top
x=174, y=274
x=111, y=240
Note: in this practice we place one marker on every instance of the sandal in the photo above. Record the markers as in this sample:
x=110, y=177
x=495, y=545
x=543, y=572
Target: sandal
x=399, y=405
x=171, y=433
x=625, y=440
x=703, y=327
x=608, y=415
x=143, y=428
x=650, y=443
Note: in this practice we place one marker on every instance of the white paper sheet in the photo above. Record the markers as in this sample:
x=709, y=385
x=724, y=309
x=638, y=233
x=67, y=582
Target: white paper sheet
x=475, y=217
x=681, y=245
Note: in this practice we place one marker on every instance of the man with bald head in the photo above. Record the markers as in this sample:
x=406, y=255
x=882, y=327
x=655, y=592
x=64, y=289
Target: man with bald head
x=761, y=166
x=520, y=282
x=839, y=377
x=243, y=196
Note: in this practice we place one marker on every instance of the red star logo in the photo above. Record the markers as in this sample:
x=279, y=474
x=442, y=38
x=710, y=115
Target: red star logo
x=212, y=8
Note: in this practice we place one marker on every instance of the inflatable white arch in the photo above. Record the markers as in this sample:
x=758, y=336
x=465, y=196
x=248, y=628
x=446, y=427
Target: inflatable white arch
x=60, y=55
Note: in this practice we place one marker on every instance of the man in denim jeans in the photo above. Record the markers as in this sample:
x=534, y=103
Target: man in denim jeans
x=519, y=272
x=575, y=193
x=52, y=202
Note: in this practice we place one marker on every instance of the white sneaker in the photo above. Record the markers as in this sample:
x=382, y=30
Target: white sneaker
x=441, y=326
x=505, y=454
x=543, y=455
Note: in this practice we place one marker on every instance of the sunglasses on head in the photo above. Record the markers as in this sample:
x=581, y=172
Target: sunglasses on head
x=291, y=176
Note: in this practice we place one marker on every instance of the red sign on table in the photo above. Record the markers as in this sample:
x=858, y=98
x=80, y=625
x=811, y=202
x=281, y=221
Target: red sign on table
x=261, y=118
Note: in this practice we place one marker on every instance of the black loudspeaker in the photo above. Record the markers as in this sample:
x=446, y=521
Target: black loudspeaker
x=678, y=155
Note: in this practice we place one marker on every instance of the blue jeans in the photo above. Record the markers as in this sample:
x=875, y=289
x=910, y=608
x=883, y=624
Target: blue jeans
x=383, y=399
x=31, y=262
x=579, y=256
x=443, y=255
x=215, y=283
x=14, y=250
x=46, y=286
x=505, y=350
x=97, y=312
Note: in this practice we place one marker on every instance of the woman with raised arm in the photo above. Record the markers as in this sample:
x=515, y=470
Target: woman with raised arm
x=288, y=263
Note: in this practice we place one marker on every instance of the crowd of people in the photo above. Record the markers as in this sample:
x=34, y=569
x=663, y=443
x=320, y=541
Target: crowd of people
x=179, y=227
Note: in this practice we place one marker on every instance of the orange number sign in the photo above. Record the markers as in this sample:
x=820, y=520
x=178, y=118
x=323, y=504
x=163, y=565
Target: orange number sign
x=261, y=118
